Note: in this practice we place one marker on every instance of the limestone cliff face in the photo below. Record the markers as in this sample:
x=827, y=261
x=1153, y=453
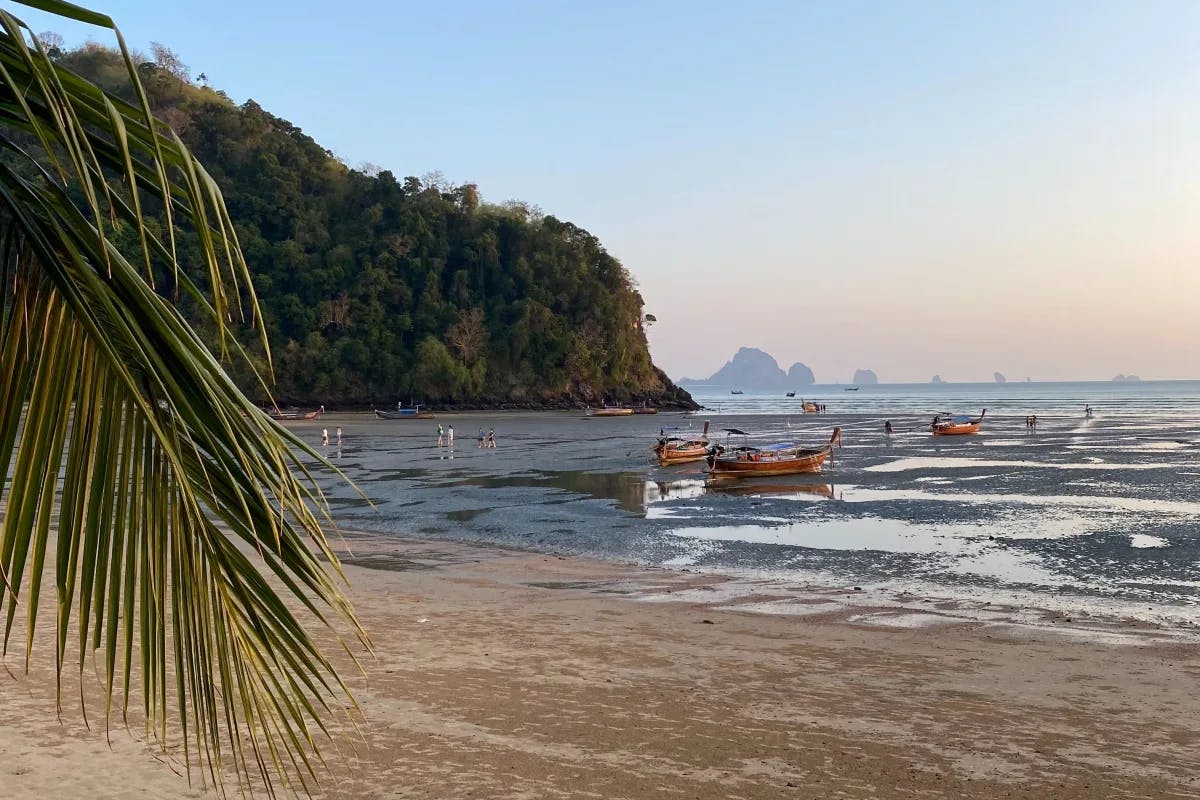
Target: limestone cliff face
x=751, y=368
x=865, y=377
x=801, y=375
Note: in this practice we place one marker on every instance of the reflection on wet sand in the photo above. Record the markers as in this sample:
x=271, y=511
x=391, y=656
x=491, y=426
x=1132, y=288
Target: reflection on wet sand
x=661, y=491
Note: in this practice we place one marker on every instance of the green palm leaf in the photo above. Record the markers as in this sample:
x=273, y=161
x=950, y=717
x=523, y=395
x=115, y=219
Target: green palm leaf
x=180, y=524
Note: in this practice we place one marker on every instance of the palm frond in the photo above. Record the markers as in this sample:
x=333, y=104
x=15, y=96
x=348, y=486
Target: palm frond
x=185, y=529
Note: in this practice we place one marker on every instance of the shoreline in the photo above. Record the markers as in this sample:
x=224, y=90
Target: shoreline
x=503, y=673
x=822, y=597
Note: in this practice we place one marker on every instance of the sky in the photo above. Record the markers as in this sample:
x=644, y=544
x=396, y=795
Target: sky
x=915, y=188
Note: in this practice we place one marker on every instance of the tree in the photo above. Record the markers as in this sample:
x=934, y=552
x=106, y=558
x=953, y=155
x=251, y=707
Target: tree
x=172, y=504
x=468, y=334
x=168, y=60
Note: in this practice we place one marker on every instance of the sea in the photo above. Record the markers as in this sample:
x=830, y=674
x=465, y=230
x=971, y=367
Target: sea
x=1083, y=514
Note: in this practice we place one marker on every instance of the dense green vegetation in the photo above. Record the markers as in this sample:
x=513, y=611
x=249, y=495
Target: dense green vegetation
x=375, y=289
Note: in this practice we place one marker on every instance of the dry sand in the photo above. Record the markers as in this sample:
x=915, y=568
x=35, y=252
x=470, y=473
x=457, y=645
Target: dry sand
x=511, y=675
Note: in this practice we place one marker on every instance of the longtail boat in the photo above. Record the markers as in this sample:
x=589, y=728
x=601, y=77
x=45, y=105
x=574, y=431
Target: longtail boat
x=416, y=411
x=791, y=394
x=784, y=458
x=674, y=449
x=947, y=425
x=645, y=408
x=292, y=413
x=810, y=407
x=609, y=411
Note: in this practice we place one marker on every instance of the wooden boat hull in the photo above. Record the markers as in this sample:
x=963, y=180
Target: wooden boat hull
x=805, y=461
x=811, y=408
x=401, y=415
x=962, y=429
x=646, y=410
x=610, y=412
x=286, y=416
x=680, y=455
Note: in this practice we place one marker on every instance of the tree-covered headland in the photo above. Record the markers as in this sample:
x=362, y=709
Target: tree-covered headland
x=375, y=289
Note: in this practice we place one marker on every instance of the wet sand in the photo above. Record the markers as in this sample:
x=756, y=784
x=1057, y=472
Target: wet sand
x=501, y=674
x=1082, y=514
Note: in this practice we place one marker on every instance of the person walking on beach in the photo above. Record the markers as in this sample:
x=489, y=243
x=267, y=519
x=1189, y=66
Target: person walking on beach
x=441, y=435
x=887, y=427
x=491, y=439
x=339, y=436
x=479, y=438
x=450, y=435
x=325, y=437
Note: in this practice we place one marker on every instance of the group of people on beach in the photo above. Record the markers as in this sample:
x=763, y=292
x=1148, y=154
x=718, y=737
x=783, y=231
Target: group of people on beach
x=1031, y=421
x=446, y=437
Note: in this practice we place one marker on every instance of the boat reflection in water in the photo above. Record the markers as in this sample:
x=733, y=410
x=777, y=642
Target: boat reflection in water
x=794, y=489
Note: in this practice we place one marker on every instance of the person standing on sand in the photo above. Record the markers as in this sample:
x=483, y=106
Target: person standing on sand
x=441, y=435
x=325, y=437
x=339, y=436
x=491, y=440
x=479, y=438
x=450, y=435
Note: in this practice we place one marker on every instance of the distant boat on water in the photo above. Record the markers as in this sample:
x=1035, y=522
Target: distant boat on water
x=850, y=389
x=791, y=394
x=293, y=413
x=609, y=411
x=416, y=411
x=736, y=391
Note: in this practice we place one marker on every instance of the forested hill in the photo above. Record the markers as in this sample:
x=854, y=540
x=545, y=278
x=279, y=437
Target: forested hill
x=376, y=289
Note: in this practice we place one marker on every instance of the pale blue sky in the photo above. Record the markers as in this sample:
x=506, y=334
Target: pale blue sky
x=915, y=188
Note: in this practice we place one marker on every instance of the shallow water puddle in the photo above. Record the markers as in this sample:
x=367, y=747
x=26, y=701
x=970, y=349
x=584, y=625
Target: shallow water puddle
x=930, y=462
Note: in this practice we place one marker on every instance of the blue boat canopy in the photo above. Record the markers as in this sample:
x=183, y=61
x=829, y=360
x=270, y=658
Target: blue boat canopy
x=778, y=446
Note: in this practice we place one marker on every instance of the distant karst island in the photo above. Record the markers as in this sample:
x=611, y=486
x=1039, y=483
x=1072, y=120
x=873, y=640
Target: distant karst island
x=936, y=379
x=999, y=377
x=1126, y=378
x=865, y=377
x=751, y=368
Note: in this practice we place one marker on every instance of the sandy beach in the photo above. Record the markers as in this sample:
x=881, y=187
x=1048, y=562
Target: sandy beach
x=518, y=675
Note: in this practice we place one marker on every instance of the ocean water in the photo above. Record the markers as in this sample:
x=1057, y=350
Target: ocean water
x=1144, y=397
x=1097, y=515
